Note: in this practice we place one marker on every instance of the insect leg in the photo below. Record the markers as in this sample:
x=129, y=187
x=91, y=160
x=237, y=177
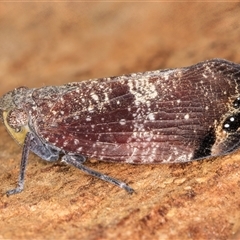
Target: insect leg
x=76, y=162
x=43, y=150
x=25, y=153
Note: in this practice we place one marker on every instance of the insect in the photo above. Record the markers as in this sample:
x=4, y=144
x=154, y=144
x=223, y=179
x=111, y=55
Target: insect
x=164, y=116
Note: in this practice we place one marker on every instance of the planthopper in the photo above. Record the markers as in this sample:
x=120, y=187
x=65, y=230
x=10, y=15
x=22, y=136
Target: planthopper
x=163, y=116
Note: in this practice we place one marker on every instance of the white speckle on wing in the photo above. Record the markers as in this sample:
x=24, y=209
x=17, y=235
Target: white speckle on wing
x=142, y=90
x=122, y=121
x=186, y=117
x=151, y=116
x=95, y=96
x=88, y=118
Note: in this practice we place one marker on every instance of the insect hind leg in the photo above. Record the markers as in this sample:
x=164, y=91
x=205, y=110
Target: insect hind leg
x=78, y=160
x=77, y=157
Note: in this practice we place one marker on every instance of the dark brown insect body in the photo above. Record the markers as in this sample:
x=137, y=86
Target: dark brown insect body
x=168, y=116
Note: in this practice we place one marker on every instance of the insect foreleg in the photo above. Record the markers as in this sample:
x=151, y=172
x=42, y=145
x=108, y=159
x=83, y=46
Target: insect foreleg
x=77, y=160
x=25, y=153
x=32, y=143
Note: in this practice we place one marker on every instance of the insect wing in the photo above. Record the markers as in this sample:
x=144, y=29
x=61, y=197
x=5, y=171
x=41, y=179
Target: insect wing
x=158, y=116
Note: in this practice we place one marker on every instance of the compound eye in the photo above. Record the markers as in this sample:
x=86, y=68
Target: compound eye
x=16, y=119
x=232, y=123
x=236, y=103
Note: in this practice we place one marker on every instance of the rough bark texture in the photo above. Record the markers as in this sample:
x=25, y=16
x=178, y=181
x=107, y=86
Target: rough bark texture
x=55, y=43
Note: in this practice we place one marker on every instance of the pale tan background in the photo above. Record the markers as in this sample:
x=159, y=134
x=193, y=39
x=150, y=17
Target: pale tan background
x=55, y=43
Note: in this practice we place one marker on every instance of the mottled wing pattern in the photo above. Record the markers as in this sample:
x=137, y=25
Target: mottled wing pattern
x=173, y=115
